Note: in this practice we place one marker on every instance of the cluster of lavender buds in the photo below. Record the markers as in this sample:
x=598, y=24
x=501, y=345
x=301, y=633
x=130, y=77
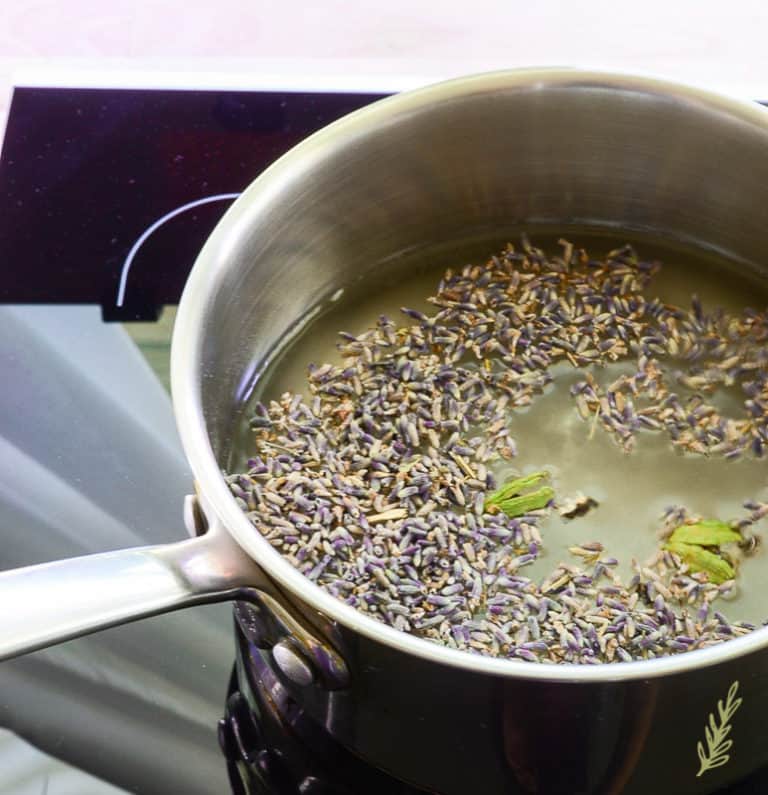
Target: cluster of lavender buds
x=379, y=486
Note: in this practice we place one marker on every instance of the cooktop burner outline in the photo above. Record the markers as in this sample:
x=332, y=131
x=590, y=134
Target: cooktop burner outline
x=156, y=225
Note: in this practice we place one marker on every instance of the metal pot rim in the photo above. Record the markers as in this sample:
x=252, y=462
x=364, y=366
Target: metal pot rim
x=188, y=338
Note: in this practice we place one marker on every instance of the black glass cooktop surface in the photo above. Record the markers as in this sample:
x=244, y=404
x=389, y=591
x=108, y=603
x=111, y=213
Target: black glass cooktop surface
x=107, y=195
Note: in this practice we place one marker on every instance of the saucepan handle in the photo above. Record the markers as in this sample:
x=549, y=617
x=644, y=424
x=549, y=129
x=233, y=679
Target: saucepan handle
x=52, y=602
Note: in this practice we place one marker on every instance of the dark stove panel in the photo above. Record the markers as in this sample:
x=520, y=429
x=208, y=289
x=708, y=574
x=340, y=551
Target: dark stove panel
x=107, y=195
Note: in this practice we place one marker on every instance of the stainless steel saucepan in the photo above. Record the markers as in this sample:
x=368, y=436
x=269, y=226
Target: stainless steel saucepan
x=464, y=160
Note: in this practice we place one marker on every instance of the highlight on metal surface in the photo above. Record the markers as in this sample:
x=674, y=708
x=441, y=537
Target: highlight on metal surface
x=152, y=228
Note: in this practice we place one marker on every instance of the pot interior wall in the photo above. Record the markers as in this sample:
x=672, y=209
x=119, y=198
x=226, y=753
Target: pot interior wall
x=460, y=172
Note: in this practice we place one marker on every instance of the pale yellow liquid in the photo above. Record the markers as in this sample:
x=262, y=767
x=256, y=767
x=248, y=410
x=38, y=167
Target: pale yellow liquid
x=632, y=489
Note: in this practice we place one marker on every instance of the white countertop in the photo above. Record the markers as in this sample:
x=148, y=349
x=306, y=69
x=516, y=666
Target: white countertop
x=369, y=44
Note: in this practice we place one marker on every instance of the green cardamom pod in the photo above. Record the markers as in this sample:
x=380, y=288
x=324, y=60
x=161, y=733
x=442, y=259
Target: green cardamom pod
x=709, y=533
x=699, y=559
x=514, y=487
x=518, y=506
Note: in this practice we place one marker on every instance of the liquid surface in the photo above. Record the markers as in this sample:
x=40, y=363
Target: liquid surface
x=632, y=489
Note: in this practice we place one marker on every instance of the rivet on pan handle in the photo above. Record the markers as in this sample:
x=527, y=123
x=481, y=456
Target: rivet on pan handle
x=269, y=625
x=296, y=650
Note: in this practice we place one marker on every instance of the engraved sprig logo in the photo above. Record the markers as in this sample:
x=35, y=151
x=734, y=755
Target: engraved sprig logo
x=716, y=733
